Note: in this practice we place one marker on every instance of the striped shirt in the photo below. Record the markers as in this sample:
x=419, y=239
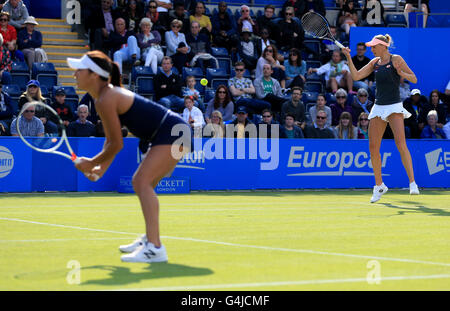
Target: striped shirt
x=33, y=127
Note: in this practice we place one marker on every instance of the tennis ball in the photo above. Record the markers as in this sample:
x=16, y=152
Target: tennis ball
x=54, y=140
x=204, y=82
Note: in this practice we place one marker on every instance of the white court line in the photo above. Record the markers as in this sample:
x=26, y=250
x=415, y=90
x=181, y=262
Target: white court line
x=305, y=251
x=289, y=283
x=62, y=240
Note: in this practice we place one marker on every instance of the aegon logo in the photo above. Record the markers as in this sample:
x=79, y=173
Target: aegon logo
x=192, y=160
x=338, y=161
x=6, y=161
x=437, y=161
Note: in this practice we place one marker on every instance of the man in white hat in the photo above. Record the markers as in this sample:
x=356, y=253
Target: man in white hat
x=29, y=41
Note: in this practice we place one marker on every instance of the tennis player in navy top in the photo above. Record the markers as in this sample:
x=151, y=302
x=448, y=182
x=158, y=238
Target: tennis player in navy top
x=157, y=127
x=388, y=106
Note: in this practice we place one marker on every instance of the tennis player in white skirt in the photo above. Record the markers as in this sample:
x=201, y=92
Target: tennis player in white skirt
x=388, y=68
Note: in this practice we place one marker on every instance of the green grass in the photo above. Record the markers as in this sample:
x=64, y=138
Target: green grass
x=305, y=240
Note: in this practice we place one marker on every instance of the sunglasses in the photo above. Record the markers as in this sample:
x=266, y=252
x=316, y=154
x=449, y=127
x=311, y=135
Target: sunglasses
x=267, y=116
x=321, y=118
x=175, y=26
x=239, y=69
x=221, y=92
x=244, y=10
x=271, y=51
x=3, y=19
x=361, y=95
x=152, y=7
x=31, y=111
x=363, y=119
x=341, y=97
x=289, y=14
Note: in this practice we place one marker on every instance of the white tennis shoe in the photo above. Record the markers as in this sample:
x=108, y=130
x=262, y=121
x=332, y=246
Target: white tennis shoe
x=413, y=188
x=132, y=247
x=146, y=253
x=378, y=191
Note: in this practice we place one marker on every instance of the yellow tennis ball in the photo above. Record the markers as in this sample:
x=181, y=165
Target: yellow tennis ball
x=204, y=82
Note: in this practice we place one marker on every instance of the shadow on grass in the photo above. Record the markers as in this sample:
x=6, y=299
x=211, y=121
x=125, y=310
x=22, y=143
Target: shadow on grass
x=123, y=275
x=417, y=209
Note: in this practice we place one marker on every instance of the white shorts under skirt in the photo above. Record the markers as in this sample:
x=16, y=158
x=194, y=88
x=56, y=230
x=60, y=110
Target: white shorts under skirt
x=384, y=111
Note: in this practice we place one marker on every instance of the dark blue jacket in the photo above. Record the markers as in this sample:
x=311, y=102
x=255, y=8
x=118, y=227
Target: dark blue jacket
x=298, y=133
x=199, y=44
x=427, y=132
x=115, y=40
x=8, y=112
x=34, y=40
x=215, y=23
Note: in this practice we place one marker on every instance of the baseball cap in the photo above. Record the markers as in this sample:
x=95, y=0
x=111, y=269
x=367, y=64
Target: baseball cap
x=241, y=109
x=60, y=91
x=415, y=92
x=33, y=82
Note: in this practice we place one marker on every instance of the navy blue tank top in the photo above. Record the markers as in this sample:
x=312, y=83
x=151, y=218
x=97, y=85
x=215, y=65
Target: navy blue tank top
x=144, y=117
x=388, y=84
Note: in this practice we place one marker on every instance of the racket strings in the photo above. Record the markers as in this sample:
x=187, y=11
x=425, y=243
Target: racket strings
x=315, y=25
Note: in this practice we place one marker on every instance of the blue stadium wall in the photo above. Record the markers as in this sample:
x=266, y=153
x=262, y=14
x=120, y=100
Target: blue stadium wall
x=232, y=165
x=44, y=8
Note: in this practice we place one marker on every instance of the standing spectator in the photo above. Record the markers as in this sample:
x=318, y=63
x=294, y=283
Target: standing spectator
x=413, y=6
x=321, y=105
x=193, y=116
x=243, y=91
x=265, y=21
x=247, y=49
x=348, y=17
x=190, y=90
x=363, y=126
x=337, y=73
x=29, y=125
x=295, y=107
x=169, y=86
x=6, y=111
x=202, y=19
x=81, y=127
x=63, y=110
x=372, y=13
x=200, y=45
x=177, y=47
x=5, y=64
x=415, y=105
x=360, y=104
x=30, y=42
x=360, y=60
x=133, y=16
x=314, y=6
x=216, y=128
x=221, y=102
x=290, y=129
x=123, y=44
x=431, y=130
x=437, y=105
x=17, y=11
x=246, y=21
x=149, y=43
x=295, y=69
x=241, y=122
x=269, y=89
x=345, y=128
x=180, y=14
x=270, y=57
x=340, y=106
x=318, y=129
x=292, y=34
x=224, y=28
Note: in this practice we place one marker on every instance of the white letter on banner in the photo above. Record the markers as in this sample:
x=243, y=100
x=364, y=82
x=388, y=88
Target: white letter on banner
x=358, y=155
x=385, y=156
x=293, y=156
x=346, y=161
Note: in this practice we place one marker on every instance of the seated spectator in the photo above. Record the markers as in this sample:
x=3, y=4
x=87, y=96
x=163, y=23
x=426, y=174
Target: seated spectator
x=263, y=42
x=177, y=47
x=243, y=91
x=269, y=89
x=63, y=110
x=264, y=128
x=405, y=90
x=373, y=13
x=246, y=21
x=224, y=28
x=149, y=43
x=436, y=104
x=321, y=105
x=221, y=102
x=295, y=69
x=340, y=106
x=363, y=126
x=193, y=116
x=295, y=107
x=241, y=123
x=270, y=56
x=133, y=16
x=347, y=16
x=160, y=21
x=17, y=11
x=29, y=125
x=190, y=90
x=318, y=129
x=361, y=103
x=200, y=45
x=30, y=43
x=265, y=21
x=247, y=49
x=446, y=130
x=215, y=128
x=123, y=44
x=81, y=127
x=337, y=73
x=313, y=6
x=90, y=103
x=162, y=10
x=431, y=130
x=6, y=111
x=298, y=5
x=291, y=34
x=345, y=129
x=169, y=86
x=5, y=64
x=413, y=6
x=360, y=60
x=180, y=14
x=203, y=20
x=328, y=46
x=8, y=32
x=415, y=104
x=290, y=130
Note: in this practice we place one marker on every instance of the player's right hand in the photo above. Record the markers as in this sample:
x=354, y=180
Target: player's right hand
x=346, y=51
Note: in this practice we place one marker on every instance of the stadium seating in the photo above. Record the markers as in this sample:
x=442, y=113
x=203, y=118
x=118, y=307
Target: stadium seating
x=20, y=74
x=216, y=76
x=313, y=86
x=330, y=98
x=144, y=86
x=45, y=73
x=396, y=20
x=309, y=97
x=209, y=94
x=13, y=90
x=197, y=72
x=313, y=47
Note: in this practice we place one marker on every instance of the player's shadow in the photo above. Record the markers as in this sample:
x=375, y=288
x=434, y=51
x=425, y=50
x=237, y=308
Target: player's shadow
x=418, y=209
x=122, y=275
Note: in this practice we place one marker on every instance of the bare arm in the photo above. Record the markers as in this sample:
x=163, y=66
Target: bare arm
x=363, y=72
x=402, y=69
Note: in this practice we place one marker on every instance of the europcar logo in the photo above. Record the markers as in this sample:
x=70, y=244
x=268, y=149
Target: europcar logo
x=6, y=161
x=437, y=161
x=332, y=163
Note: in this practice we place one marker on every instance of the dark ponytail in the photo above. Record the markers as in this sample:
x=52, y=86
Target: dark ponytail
x=104, y=62
x=116, y=78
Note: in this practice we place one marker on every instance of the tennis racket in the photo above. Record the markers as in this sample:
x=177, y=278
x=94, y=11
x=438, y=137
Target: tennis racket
x=40, y=110
x=317, y=26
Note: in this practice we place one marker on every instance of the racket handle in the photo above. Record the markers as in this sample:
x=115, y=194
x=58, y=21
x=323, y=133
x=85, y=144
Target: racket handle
x=76, y=161
x=339, y=44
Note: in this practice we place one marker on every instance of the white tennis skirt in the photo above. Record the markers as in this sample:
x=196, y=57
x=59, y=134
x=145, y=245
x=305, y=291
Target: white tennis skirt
x=384, y=111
